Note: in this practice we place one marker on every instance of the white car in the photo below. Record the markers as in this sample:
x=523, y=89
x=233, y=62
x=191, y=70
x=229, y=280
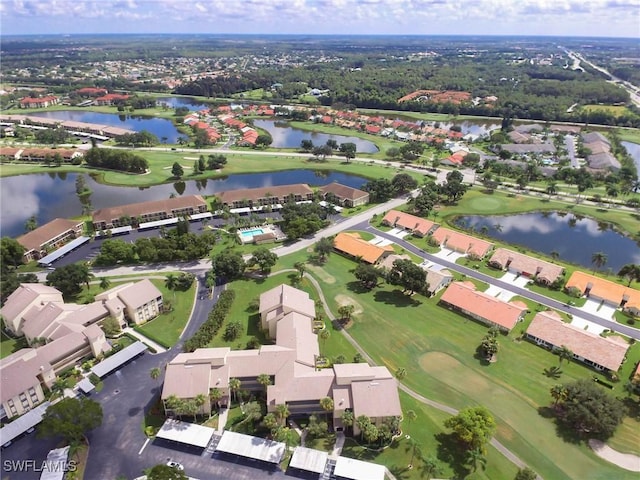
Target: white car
x=175, y=465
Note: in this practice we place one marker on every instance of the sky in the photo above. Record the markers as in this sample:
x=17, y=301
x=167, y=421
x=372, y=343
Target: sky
x=601, y=18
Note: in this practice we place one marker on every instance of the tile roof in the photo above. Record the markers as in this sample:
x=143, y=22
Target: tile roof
x=464, y=296
x=604, y=289
x=254, y=194
x=408, y=222
x=19, y=372
x=41, y=235
x=139, y=293
x=343, y=191
x=461, y=242
x=136, y=209
x=352, y=244
x=546, y=271
x=608, y=352
x=376, y=398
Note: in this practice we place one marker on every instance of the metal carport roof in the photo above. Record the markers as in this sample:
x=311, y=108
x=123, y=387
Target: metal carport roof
x=114, y=361
x=184, y=432
x=22, y=424
x=358, y=470
x=61, y=252
x=309, y=459
x=251, y=447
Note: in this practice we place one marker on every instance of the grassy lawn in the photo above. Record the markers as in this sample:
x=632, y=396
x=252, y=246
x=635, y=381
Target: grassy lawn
x=167, y=327
x=617, y=110
x=10, y=345
x=437, y=349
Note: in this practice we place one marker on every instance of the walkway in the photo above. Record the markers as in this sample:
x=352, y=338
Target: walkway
x=337, y=447
x=146, y=340
x=512, y=457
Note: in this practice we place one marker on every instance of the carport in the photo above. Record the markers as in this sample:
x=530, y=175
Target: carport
x=54, y=467
x=20, y=425
x=86, y=386
x=352, y=469
x=251, y=447
x=309, y=460
x=116, y=360
x=61, y=252
x=186, y=433
x=158, y=223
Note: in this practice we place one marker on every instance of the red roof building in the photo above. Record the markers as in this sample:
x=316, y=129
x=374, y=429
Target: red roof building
x=91, y=91
x=42, y=102
x=372, y=129
x=111, y=98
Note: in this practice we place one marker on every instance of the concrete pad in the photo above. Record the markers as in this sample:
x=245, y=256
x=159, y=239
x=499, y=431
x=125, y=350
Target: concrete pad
x=598, y=308
x=587, y=325
x=515, y=279
x=385, y=242
x=449, y=255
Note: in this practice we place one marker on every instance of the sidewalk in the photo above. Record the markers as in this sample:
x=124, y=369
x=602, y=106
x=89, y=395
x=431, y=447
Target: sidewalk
x=158, y=348
x=337, y=448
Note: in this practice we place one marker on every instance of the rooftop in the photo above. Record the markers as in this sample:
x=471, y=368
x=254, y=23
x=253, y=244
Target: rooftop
x=352, y=244
x=35, y=239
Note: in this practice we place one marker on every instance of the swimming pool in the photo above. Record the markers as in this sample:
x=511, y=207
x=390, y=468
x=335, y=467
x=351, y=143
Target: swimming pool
x=251, y=233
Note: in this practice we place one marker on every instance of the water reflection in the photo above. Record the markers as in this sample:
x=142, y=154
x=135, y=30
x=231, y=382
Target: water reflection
x=285, y=136
x=574, y=237
x=52, y=195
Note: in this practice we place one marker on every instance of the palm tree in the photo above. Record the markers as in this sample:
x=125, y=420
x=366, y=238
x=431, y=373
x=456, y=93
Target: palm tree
x=411, y=416
x=215, y=395
x=234, y=386
x=301, y=268
x=559, y=393
x=326, y=404
x=171, y=282
x=264, y=380
x=564, y=353
x=347, y=418
x=497, y=227
x=104, y=283
x=552, y=188
x=415, y=448
x=199, y=402
x=429, y=467
x=401, y=373
x=324, y=336
x=282, y=412
x=553, y=372
x=555, y=254
x=154, y=373
x=475, y=457
x=345, y=311
x=599, y=259
x=631, y=272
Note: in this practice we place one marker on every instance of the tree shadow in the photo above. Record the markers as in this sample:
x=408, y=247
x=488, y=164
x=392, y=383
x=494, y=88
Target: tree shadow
x=357, y=287
x=452, y=452
x=481, y=357
x=395, y=298
x=254, y=330
x=633, y=407
x=565, y=432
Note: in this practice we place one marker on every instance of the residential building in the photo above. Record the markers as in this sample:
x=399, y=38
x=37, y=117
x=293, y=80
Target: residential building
x=603, y=161
x=416, y=225
x=352, y=245
x=524, y=148
x=437, y=279
x=49, y=237
x=26, y=297
x=111, y=217
x=611, y=293
x=291, y=365
x=111, y=99
x=344, y=195
x=521, y=264
x=139, y=302
x=41, y=102
x=91, y=92
x=461, y=243
x=249, y=197
x=464, y=297
x=602, y=353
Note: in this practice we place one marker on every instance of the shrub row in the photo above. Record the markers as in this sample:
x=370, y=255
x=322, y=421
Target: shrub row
x=213, y=324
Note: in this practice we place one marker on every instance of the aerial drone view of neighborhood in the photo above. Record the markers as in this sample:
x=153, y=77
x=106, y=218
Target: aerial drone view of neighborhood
x=239, y=249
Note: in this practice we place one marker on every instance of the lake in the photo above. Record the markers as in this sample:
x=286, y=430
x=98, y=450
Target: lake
x=160, y=127
x=575, y=238
x=285, y=136
x=52, y=195
x=633, y=149
x=190, y=103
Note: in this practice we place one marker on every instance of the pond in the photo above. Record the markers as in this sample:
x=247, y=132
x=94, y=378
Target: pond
x=285, y=136
x=160, y=127
x=575, y=238
x=174, y=102
x=52, y=195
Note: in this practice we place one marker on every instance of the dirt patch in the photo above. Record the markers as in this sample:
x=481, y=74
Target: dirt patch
x=347, y=300
x=321, y=273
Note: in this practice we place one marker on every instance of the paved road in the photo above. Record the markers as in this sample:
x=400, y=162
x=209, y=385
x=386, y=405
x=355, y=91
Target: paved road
x=523, y=292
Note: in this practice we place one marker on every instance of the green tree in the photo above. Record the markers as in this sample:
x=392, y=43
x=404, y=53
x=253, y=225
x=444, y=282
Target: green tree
x=631, y=272
x=558, y=393
x=234, y=386
x=177, y=171
x=411, y=416
x=104, y=283
x=349, y=150
x=215, y=395
x=564, y=353
x=323, y=248
x=408, y=275
x=475, y=457
x=155, y=373
x=165, y=472
x=264, y=258
x=326, y=403
x=345, y=311
x=301, y=268
x=264, y=140
x=228, y=264
x=599, y=260
x=282, y=412
x=526, y=474
x=306, y=145
x=264, y=380
x=232, y=331
x=31, y=224
x=473, y=426
x=347, y=418
x=69, y=278
x=589, y=411
x=11, y=252
x=71, y=418
x=270, y=421
x=111, y=326
x=324, y=336
x=403, y=183
x=367, y=275
x=401, y=373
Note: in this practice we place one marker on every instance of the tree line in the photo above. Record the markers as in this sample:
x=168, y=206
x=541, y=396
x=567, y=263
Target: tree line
x=210, y=328
x=120, y=160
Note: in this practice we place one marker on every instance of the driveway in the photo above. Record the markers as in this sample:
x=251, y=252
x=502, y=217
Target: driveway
x=601, y=309
x=448, y=255
x=587, y=325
